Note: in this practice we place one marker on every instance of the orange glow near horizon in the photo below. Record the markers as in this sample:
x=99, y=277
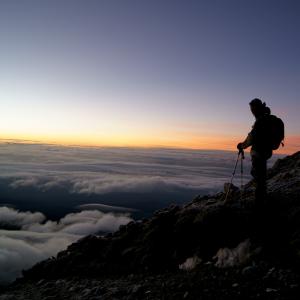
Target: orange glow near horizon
x=292, y=143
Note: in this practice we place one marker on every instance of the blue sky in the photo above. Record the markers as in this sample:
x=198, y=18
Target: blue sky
x=173, y=73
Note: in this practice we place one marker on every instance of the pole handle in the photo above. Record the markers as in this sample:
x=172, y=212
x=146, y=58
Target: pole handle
x=242, y=153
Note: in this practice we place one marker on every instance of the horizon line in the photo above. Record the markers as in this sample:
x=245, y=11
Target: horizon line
x=20, y=141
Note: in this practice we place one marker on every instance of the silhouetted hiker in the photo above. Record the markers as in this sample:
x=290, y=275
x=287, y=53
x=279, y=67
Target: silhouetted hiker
x=266, y=135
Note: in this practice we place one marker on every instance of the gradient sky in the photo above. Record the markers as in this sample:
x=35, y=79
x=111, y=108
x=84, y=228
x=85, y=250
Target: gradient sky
x=147, y=73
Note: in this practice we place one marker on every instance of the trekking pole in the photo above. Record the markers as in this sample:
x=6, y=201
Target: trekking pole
x=233, y=173
x=242, y=174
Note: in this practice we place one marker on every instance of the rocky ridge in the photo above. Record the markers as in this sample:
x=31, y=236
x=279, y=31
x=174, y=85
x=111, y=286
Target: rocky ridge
x=205, y=249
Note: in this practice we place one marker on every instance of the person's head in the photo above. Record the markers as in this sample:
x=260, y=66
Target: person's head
x=259, y=108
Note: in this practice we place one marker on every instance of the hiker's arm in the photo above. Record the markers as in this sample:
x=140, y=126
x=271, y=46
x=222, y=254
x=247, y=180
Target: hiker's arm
x=247, y=142
x=250, y=137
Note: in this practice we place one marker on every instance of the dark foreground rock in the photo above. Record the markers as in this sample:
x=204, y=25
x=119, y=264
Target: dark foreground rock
x=208, y=282
x=206, y=249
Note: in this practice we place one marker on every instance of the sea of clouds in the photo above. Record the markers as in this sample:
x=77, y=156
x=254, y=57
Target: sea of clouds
x=27, y=237
x=33, y=238
x=104, y=170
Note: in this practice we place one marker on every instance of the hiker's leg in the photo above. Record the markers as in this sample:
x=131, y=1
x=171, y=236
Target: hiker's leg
x=261, y=188
x=259, y=173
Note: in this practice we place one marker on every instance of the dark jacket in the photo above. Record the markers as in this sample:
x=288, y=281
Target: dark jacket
x=259, y=137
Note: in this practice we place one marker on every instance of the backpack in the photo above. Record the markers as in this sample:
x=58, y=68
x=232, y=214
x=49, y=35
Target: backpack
x=275, y=132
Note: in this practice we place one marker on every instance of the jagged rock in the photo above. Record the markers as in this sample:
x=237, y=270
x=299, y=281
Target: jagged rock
x=234, y=257
x=7, y=297
x=249, y=271
x=190, y=264
x=230, y=188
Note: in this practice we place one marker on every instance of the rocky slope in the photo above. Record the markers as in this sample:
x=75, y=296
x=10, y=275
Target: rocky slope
x=206, y=249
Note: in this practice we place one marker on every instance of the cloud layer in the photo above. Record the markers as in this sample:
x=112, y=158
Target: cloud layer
x=38, y=239
x=105, y=170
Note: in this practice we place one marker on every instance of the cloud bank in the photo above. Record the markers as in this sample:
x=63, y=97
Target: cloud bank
x=105, y=170
x=12, y=217
x=39, y=238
